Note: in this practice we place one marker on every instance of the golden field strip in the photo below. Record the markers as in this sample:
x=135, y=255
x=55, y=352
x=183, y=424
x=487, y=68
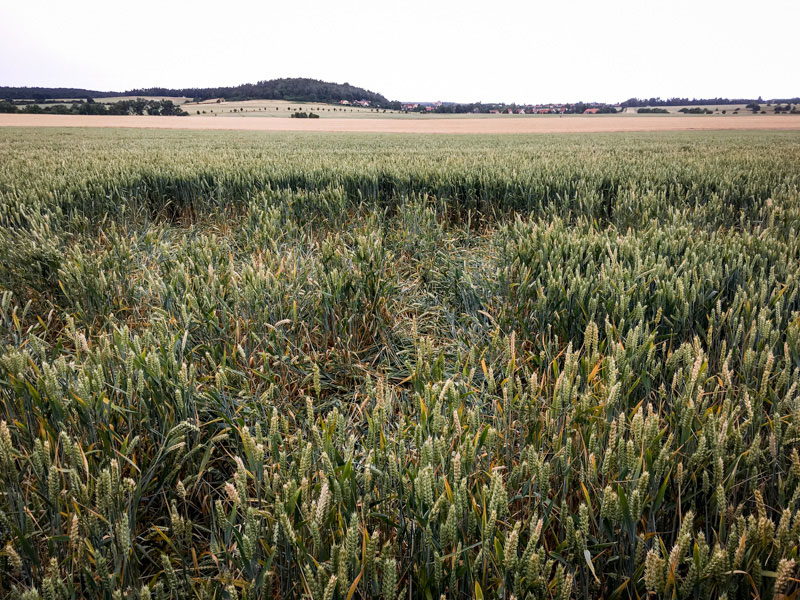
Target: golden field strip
x=433, y=125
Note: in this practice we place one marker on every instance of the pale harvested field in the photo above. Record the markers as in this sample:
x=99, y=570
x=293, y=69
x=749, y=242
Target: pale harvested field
x=566, y=124
x=283, y=108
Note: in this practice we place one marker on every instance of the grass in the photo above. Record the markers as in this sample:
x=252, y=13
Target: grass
x=337, y=366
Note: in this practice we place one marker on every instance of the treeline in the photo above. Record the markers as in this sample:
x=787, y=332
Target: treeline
x=139, y=106
x=636, y=102
x=314, y=90
x=41, y=94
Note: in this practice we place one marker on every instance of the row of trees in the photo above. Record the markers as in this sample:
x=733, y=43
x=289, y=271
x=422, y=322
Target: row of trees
x=139, y=106
x=636, y=102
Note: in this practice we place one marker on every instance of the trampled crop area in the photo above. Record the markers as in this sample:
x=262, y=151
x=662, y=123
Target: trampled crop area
x=238, y=365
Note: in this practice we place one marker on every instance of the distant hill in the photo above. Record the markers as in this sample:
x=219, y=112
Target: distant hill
x=312, y=90
x=297, y=89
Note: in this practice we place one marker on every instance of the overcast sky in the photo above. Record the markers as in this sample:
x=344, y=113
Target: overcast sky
x=513, y=51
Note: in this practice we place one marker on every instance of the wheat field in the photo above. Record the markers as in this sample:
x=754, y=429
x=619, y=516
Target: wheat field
x=248, y=365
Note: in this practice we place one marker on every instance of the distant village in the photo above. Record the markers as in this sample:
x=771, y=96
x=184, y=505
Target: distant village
x=496, y=109
x=364, y=103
